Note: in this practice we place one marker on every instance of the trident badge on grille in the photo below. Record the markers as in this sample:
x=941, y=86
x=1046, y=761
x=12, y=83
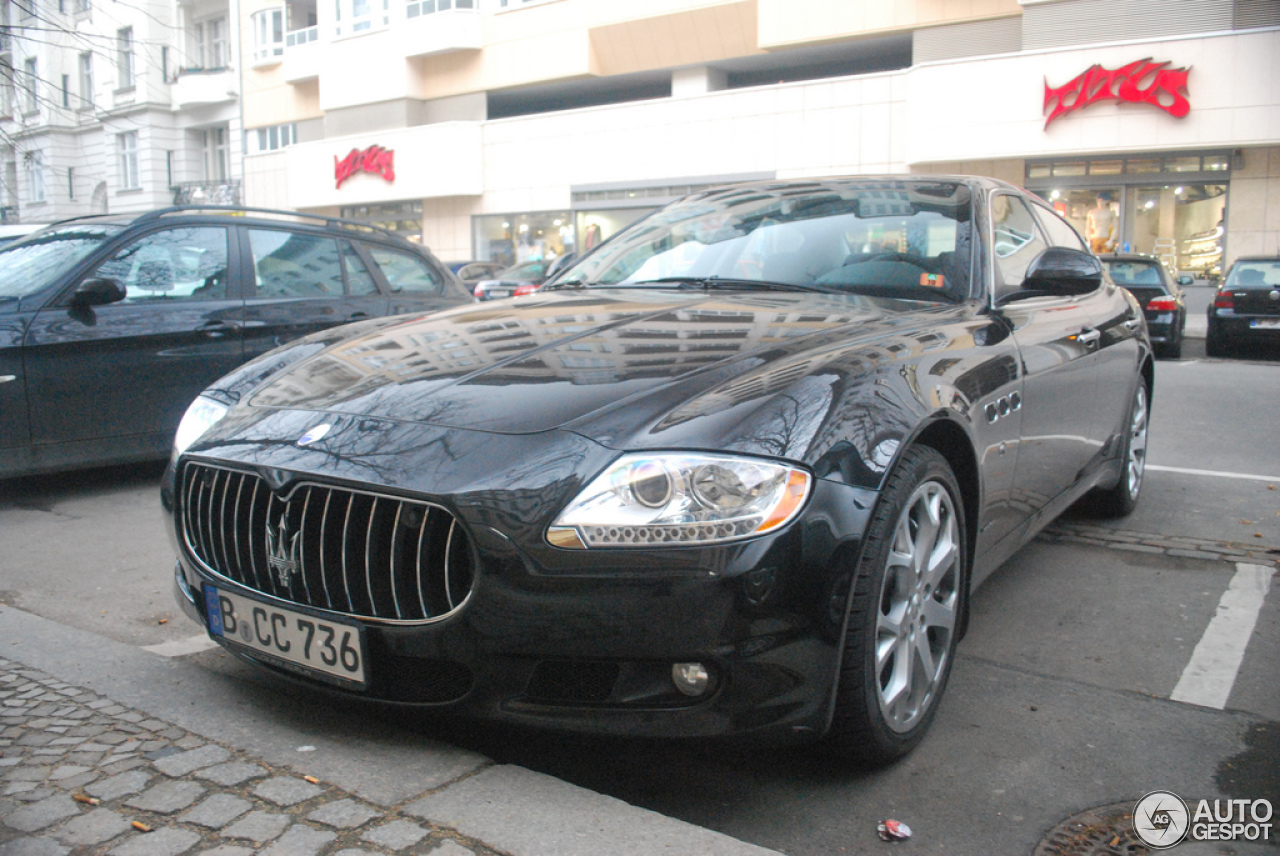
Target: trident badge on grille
x=282, y=550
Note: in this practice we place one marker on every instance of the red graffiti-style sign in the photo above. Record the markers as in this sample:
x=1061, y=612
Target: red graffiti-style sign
x=1142, y=82
x=374, y=159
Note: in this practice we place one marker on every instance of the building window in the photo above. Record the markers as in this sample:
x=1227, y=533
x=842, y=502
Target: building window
x=272, y=138
x=30, y=78
x=211, y=43
x=128, y=144
x=86, y=80
x=66, y=90
x=359, y=16
x=71, y=183
x=427, y=7
x=268, y=35
x=124, y=58
x=6, y=88
x=217, y=154
x=35, y=175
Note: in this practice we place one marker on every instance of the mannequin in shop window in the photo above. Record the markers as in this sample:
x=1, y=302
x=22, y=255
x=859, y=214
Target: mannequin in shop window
x=1102, y=225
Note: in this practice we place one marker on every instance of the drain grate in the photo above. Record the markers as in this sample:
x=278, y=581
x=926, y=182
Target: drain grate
x=1103, y=831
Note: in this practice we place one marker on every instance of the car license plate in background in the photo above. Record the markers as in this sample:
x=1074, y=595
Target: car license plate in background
x=1265, y=323
x=329, y=647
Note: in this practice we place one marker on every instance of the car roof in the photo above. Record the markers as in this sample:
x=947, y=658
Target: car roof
x=257, y=216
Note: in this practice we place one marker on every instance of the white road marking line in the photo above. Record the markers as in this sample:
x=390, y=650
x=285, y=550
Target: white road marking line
x=1209, y=676
x=1215, y=473
x=182, y=647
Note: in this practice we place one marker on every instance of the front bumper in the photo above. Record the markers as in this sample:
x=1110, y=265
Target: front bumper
x=585, y=640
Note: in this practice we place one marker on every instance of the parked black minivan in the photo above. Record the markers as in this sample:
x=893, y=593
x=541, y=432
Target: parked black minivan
x=110, y=325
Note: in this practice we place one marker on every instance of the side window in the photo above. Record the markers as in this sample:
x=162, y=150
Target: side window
x=185, y=263
x=1060, y=232
x=407, y=272
x=295, y=264
x=1015, y=241
x=359, y=280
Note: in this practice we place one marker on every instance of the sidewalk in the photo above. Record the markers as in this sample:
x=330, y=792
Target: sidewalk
x=108, y=749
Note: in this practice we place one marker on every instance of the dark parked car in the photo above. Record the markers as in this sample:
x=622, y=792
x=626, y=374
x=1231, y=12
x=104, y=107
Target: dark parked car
x=1162, y=299
x=737, y=471
x=1246, y=308
x=472, y=272
x=504, y=283
x=111, y=325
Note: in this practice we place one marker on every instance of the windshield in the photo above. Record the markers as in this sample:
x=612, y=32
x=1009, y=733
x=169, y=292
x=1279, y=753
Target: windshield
x=886, y=237
x=37, y=262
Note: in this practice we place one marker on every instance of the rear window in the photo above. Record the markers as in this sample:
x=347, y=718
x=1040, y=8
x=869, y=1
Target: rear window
x=1260, y=273
x=406, y=272
x=1145, y=274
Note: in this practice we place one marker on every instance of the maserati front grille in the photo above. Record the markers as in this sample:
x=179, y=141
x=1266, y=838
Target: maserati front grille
x=363, y=554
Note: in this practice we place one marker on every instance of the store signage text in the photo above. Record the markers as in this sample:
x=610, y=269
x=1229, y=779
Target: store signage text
x=374, y=159
x=1141, y=82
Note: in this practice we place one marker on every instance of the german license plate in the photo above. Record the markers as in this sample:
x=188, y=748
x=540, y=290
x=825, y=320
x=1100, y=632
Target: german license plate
x=499, y=293
x=296, y=639
x=1265, y=323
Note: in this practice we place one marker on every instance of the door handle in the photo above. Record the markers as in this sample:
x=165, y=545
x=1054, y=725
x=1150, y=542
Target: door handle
x=355, y=316
x=1089, y=336
x=215, y=329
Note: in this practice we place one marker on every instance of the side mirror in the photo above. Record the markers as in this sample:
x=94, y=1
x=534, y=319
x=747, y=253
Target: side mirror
x=1186, y=279
x=97, y=292
x=1061, y=270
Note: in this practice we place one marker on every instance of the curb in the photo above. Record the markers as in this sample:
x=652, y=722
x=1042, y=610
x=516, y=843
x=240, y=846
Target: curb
x=172, y=758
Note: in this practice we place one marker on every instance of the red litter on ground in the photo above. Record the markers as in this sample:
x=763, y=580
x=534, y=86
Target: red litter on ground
x=892, y=830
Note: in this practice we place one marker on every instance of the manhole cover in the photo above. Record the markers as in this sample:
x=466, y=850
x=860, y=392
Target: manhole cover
x=1103, y=831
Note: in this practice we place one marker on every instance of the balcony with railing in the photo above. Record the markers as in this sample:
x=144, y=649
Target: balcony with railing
x=303, y=55
x=198, y=87
x=206, y=193
x=440, y=26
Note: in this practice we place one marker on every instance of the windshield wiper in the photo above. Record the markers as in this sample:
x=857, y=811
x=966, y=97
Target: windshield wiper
x=730, y=282
x=567, y=283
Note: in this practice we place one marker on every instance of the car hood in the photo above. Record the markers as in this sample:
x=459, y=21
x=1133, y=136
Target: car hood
x=583, y=360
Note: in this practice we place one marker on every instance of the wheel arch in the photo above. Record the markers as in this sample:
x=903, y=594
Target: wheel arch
x=949, y=439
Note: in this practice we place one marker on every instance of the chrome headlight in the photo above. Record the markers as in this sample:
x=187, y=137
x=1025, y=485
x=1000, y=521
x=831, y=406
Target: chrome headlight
x=202, y=415
x=680, y=499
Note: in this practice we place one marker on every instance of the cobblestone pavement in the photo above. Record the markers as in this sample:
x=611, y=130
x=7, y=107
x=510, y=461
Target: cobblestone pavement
x=1068, y=532
x=81, y=774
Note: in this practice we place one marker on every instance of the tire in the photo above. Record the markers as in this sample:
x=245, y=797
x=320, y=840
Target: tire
x=1119, y=501
x=1215, y=344
x=904, y=615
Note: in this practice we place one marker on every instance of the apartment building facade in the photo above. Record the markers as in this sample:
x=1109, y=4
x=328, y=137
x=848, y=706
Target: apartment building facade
x=513, y=129
x=110, y=106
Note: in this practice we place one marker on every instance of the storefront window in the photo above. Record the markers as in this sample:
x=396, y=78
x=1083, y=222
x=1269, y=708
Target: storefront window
x=515, y=238
x=597, y=225
x=403, y=218
x=1181, y=224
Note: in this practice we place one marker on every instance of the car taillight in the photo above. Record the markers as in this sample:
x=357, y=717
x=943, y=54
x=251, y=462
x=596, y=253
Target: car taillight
x=1224, y=300
x=478, y=291
x=527, y=288
x=1162, y=304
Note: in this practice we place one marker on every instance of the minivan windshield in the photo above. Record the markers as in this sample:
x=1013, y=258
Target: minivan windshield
x=886, y=237
x=38, y=261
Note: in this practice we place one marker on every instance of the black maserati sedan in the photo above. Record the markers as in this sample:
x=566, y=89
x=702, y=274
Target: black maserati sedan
x=736, y=471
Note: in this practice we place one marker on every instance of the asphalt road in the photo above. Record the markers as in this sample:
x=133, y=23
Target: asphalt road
x=1060, y=699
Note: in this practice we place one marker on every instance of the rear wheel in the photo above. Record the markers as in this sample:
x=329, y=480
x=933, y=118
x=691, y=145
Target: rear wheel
x=1215, y=344
x=1123, y=498
x=904, y=614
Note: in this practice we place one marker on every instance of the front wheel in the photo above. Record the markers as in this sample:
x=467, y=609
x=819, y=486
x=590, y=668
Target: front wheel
x=1120, y=500
x=904, y=613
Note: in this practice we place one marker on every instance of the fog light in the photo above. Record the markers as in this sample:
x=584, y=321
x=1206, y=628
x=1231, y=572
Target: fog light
x=692, y=679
